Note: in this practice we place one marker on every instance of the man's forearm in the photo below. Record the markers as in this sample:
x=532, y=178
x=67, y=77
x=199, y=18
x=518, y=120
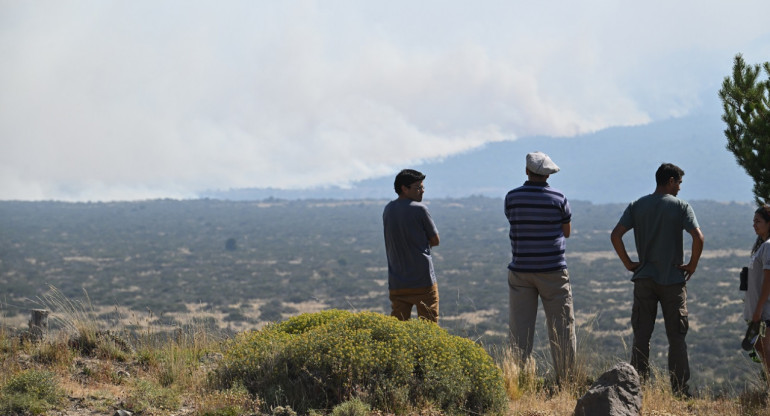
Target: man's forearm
x=616, y=237
x=697, y=247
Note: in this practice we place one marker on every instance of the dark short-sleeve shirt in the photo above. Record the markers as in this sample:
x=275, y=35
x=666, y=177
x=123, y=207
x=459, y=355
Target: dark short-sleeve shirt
x=658, y=221
x=536, y=212
x=408, y=227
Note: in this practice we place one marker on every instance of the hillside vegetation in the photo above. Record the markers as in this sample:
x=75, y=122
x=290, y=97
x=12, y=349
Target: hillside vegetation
x=329, y=363
x=227, y=267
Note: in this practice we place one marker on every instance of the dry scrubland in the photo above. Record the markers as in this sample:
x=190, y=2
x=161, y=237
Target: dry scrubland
x=85, y=368
x=160, y=276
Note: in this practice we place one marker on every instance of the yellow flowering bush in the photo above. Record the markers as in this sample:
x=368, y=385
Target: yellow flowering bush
x=319, y=360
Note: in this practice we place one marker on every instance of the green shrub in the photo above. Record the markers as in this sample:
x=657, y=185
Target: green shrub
x=144, y=396
x=52, y=354
x=323, y=359
x=225, y=411
x=147, y=357
x=354, y=407
x=8, y=342
x=232, y=402
x=30, y=391
x=101, y=344
x=283, y=411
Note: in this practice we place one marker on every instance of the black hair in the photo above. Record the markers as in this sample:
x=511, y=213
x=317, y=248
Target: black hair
x=667, y=171
x=407, y=177
x=764, y=212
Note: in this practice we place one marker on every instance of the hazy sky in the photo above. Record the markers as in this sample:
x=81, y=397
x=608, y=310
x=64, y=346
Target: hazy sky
x=120, y=100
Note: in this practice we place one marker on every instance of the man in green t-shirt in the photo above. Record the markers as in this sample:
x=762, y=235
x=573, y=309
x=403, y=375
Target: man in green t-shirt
x=660, y=275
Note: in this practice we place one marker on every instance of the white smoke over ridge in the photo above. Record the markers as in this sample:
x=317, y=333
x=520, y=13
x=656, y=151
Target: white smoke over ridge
x=131, y=100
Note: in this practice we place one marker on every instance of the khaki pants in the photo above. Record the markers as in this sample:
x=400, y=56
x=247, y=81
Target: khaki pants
x=554, y=289
x=673, y=302
x=425, y=299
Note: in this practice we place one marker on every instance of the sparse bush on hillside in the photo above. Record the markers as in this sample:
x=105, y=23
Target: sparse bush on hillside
x=319, y=360
x=232, y=402
x=52, y=354
x=146, y=395
x=30, y=392
x=354, y=407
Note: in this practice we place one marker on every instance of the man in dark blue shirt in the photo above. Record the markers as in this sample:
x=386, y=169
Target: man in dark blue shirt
x=409, y=235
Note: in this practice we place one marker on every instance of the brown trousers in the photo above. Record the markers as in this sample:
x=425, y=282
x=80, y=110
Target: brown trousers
x=424, y=298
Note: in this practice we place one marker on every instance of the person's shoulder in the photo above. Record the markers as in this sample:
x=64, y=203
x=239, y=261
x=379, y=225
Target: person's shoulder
x=642, y=202
x=529, y=188
x=393, y=204
x=419, y=205
x=516, y=189
x=654, y=199
x=406, y=204
x=763, y=251
x=648, y=197
x=674, y=200
x=553, y=190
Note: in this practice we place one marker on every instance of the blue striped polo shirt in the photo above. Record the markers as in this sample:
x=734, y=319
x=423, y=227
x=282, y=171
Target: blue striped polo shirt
x=536, y=213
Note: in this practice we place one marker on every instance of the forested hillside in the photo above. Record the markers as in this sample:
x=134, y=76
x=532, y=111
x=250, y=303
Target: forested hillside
x=242, y=264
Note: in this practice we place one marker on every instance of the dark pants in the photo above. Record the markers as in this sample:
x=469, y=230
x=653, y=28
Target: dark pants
x=673, y=302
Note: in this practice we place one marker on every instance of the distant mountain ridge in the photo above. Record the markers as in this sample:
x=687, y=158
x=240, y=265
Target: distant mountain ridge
x=612, y=165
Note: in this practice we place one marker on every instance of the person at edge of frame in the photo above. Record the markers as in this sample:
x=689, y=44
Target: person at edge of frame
x=756, y=306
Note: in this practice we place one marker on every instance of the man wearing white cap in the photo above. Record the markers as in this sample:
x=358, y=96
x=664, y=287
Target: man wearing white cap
x=540, y=217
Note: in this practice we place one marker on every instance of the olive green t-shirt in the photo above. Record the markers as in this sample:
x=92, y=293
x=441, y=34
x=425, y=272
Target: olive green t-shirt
x=658, y=221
